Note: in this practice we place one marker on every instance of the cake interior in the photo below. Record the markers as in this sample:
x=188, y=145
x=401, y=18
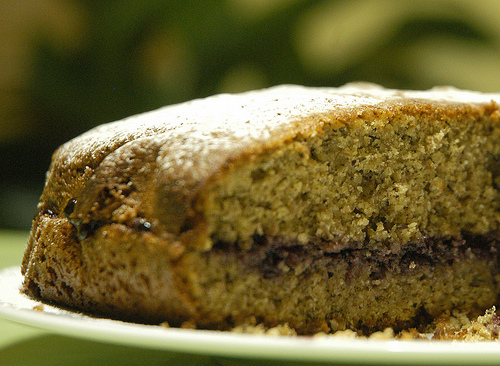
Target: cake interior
x=368, y=182
x=370, y=224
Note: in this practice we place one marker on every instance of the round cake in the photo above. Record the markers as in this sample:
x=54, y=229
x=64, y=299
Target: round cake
x=322, y=208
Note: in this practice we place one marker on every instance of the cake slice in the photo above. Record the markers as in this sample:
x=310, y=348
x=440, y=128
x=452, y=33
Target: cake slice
x=325, y=208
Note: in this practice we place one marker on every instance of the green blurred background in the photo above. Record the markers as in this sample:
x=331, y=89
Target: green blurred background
x=69, y=65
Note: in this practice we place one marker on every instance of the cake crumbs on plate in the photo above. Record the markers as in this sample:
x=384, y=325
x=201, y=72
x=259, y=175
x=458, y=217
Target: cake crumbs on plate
x=451, y=327
x=279, y=330
x=484, y=328
x=455, y=327
x=38, y=307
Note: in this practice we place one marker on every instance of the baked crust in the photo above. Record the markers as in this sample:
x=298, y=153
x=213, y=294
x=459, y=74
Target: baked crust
x=122, y=228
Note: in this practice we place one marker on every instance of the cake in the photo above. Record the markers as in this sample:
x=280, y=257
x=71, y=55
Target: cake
x=320, y=208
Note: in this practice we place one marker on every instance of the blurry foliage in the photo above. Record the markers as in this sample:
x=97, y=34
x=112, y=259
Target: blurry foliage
x=132, y=56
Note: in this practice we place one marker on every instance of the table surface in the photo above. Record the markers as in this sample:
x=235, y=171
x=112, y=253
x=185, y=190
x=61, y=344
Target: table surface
x=22, y=345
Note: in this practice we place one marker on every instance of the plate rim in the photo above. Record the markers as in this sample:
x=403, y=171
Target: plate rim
x=17, y=307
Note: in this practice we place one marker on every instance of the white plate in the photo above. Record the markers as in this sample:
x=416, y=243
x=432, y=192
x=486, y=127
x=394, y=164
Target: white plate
x=19, y=308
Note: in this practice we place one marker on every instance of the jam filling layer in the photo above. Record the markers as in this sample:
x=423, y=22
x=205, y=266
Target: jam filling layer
x=274, y=256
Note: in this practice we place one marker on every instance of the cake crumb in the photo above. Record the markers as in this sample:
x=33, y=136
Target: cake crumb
x=279, y=330
x=411, y=335
x=348, y=333
x=484, y=328
x=38, y=307
x=387, y=333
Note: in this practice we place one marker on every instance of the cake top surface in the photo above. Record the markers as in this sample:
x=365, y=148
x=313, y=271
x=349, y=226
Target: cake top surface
x=225, y=121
